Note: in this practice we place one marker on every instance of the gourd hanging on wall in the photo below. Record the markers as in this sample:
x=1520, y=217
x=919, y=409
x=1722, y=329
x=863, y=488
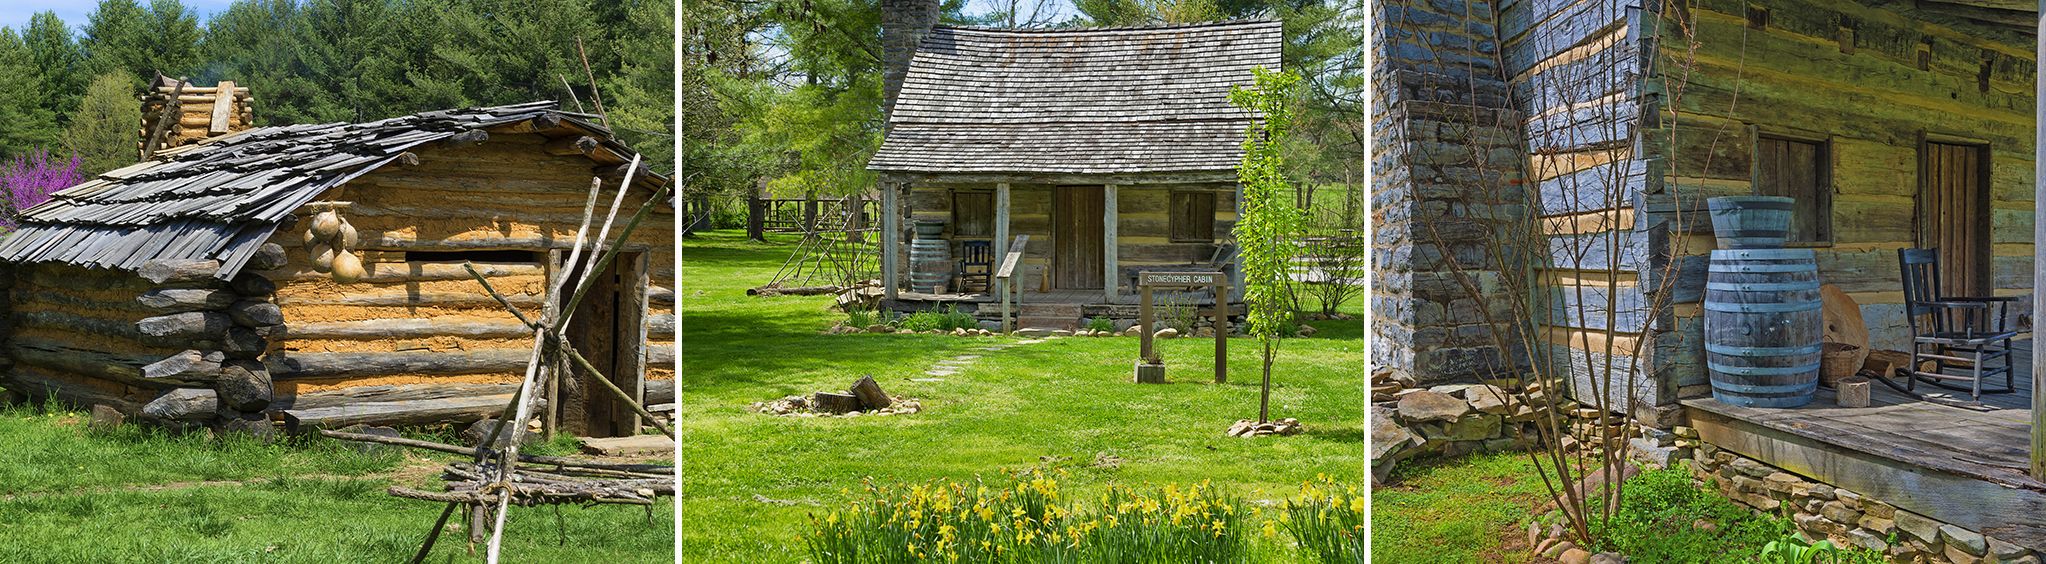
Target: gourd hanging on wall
x=330, y=241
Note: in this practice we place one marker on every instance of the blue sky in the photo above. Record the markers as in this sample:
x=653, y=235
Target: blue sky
x=15, y=13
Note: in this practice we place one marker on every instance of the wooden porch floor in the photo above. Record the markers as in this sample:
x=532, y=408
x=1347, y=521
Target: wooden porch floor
x=1949, y=459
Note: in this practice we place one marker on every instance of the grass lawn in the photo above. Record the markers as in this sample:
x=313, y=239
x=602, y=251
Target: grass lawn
x=1453, y=510
x=69, y=493
x=750, y=480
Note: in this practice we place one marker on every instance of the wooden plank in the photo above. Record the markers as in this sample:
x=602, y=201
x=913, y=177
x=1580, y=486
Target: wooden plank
x=287, y=364
x=636, y=445
x=405, y=412
x=223, y=107
x=1110, y=271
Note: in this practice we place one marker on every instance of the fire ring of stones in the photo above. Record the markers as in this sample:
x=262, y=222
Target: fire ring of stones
x=863, y=398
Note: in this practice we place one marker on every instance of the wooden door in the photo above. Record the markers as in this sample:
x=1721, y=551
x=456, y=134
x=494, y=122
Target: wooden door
x=1953, y=215
x=607, y=329
x=1076, y=237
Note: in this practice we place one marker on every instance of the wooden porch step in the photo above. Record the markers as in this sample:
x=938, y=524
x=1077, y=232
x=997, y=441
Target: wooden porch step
x=1049, y=310
x=1066, y=323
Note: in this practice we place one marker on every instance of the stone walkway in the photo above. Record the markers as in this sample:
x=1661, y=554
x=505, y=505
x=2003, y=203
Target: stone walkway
x=952, y=366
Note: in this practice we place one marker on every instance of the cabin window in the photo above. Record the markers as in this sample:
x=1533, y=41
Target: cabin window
x=1799, y=169
x=494, y=255
x=973, y=214
x=1193, y=216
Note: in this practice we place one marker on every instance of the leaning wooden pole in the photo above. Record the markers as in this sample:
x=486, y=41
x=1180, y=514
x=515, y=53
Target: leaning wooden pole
x=2039, y=253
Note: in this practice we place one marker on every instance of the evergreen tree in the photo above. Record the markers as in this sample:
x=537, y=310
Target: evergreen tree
x=257, y=43
x=24, y=125
x=173, y=39
x=117, y=40
x=59, y=65
x=102, y=133
x=353, y=50
x=641, y=94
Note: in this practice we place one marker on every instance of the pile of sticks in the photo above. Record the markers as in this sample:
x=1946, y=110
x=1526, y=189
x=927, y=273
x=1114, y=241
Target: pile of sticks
x=494, y=479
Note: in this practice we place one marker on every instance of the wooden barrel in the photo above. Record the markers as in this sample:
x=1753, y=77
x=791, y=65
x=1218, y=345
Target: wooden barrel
x=1763, y=326
x=1750, y=222
x=930, y=264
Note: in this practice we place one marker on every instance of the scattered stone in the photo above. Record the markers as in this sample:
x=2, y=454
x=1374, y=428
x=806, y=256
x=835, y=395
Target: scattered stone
x=1557, y=550
x=2006, y=552
x=1388, y=438
x=1918, y=526
x=1248, y=428
x=1427, y=405
x=1608, y=558
x=1704, y=525
x=1574, y=556
x=1133, y=331
x=106, y=417
x=1308, y=330
x=1166, y=333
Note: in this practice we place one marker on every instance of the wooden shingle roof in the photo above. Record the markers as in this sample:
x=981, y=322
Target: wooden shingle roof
x=1092, y=101
x=222, y=198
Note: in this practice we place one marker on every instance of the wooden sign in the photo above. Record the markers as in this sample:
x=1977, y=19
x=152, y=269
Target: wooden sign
x=1150, y=369
x=1182, y=279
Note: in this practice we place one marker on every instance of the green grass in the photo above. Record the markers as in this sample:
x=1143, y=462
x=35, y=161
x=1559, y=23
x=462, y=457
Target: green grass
x=1453, y=510
x=69, y=493
x=751, y=480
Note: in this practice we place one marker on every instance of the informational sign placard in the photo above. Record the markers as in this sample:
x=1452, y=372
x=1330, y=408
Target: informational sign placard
x=1150, y=368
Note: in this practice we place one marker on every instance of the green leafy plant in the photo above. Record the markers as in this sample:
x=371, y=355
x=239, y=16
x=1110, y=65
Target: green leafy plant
x=1101, y=324
x=1027, y=519
x=1269, y=221
x=859, y=318
x=1176, y=312
x=941, y=320
x=1327, y=520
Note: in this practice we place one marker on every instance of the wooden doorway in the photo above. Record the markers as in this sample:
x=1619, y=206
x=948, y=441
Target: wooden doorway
x=608, y=328
x=1953, y=214
x=1076, y=237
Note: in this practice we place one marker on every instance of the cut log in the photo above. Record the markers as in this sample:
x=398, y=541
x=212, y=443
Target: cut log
x=660, y=327
x=1886, y=363
x=188, y=366
x=1843, y=321
x=255, y=313
x=870, y=394
x=397, y=413
x=636, y=445
x=182, y=328
x=245, y=343
x=98, y=364
x=387, y=393
x=376, y=329
x=252, y=285
x=287, y=365
x=180, y=300
x=1852, y=392
x=835, y=403
x=571, y=146
x=268, y=256
x=183, y=404
x=181, y=273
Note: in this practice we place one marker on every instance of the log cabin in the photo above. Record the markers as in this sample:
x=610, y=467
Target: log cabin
x=191, y=288
x=1115, y=150
x=1892, y=124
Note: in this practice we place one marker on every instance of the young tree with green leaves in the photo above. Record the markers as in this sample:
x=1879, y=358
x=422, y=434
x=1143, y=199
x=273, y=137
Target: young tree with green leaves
x=102, y=129
x=1269, y=222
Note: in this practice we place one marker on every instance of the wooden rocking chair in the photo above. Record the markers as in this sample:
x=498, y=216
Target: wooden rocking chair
x=976, y=266
x=1959, y=336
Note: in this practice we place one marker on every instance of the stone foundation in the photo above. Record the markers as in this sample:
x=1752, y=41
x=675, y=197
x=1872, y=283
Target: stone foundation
x=1844, y=517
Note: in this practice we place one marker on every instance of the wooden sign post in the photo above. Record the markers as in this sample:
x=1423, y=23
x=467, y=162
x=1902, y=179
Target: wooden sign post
x=1150, y=368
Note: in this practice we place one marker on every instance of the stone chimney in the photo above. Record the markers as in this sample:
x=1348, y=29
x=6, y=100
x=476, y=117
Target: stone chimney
x=175, y=114
x=903, y=24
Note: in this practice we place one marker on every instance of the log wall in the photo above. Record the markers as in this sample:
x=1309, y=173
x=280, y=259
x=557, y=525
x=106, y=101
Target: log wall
x=419, y=322
x=1651, y=142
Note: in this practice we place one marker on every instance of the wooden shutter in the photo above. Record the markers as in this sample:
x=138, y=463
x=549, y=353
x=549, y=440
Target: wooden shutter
x=1797, y=169
x=973, y=214
x=1193, y=216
